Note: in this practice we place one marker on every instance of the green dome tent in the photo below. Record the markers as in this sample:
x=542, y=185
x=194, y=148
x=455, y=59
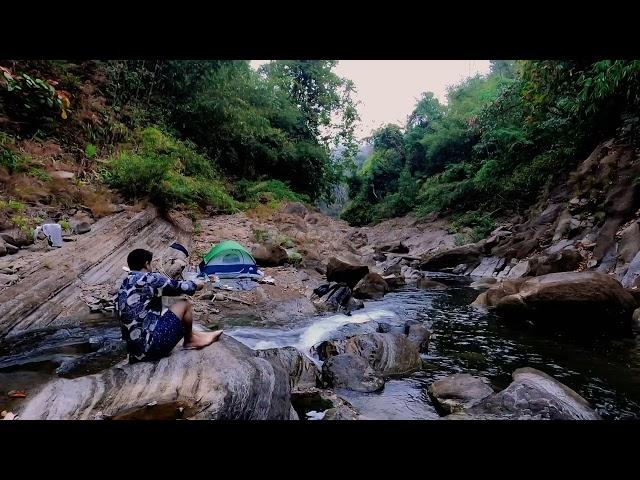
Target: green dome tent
x=228, y=258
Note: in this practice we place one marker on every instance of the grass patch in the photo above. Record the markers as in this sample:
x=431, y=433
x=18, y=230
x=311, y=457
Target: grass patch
x=260, y=236
x=12, y=205
x=64, y=223
x=26, y=224
x=481, y=225
x=39, y=173
x=267, y=192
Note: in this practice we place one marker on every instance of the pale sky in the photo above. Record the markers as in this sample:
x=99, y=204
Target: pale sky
x=389, y=89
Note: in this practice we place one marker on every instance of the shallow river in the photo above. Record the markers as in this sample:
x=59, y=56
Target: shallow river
x=604, y=370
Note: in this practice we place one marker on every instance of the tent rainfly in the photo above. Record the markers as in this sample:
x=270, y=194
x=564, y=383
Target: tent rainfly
x=228, y=259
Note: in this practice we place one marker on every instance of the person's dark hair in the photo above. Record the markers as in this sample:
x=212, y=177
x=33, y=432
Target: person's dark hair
x=138, y=257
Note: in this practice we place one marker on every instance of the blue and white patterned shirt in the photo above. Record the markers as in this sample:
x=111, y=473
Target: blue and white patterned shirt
x=138, y=306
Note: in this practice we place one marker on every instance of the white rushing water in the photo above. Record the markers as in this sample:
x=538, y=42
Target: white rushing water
x=310, y=332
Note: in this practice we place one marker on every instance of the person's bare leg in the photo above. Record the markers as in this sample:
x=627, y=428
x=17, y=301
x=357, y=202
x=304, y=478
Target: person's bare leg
x=192, y=340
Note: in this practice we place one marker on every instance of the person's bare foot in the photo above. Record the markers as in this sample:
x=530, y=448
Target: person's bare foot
x=202, y=339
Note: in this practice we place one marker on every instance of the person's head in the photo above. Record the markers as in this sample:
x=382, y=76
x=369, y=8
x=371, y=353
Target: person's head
x=139, y=259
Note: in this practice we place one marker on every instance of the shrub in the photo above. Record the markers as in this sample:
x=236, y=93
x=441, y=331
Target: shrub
x=168, y=172
x=33, y=98
x=481, y=224
x=271, y=192
x=64, y=223
x=12, y=205
x=90, y=150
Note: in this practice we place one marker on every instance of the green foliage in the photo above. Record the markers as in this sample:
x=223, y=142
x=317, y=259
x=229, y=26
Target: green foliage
x=285, y=242
x=64, y=223
x=294, y=258
x=267, y=191
x=481, y=224
x=501, y=140
x=90, y=150
x=9, y=158
x=25, y=223
x=38, y=173
x=168, y=172
x=261, y=236
x=273, y=124
x=34, y=99
x=12, y=206
x=320, y=94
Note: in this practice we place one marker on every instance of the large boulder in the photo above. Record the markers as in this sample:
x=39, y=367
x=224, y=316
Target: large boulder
x=269, y=255
x=629, y=242
x=533, y=395
x=17, y=237
x=172, y=262
x=352, y=372
x=226, y=380
x=491, y=297
x=339, y=270
x=371, y=286
x=458, y=392
x=389, y=354
x=303, y=373
x=81, y=223
x=82, y=227
x=563, y=261
x=448, y=259
x=296, y=208
x=567, y=297
x=419, y=335
x=324, y=404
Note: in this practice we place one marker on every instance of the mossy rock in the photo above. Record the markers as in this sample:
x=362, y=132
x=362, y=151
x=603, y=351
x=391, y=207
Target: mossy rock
x=295, y=258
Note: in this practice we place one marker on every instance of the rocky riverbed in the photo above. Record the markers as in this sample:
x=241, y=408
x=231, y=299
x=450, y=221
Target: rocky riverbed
x=353, y=325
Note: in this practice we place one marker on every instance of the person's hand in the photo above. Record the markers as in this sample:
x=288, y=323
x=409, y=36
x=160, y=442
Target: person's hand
x=199, y=284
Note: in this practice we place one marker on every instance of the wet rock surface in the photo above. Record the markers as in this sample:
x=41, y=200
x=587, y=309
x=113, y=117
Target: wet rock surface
x=224, y=381
x=388, y=353
x=533, y=395
x=459, y=392
x=371, y=286
x=303, y=373
x=351, y=371
x=581, y=296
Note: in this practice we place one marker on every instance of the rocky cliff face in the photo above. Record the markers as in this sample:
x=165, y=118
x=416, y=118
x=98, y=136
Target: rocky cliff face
x=589, y=223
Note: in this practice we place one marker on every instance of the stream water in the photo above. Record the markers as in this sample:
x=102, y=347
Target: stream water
x=604, y=370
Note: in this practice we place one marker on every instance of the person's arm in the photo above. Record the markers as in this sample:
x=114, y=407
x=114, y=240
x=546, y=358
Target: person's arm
x=165, y=286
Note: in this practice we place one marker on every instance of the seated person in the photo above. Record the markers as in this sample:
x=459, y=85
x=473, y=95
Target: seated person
x=150, y=332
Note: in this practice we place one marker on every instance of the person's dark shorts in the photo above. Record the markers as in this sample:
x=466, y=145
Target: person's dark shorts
x=165, y=337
